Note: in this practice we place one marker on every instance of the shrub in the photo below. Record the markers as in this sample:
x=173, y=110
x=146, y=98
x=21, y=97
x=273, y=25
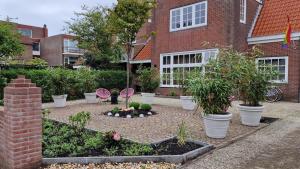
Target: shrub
x=115, y=92
x=115, y=110
x=59, y=82
x=149, y=78
x=135, y=105
x=73, y=85
x=138, y=149
x=146, y=107
x=80, y=119
x=87, y=80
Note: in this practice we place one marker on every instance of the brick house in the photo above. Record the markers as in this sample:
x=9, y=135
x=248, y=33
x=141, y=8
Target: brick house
x=268, y=33
x=31, y=37
x=60, y=50
x=189, y=32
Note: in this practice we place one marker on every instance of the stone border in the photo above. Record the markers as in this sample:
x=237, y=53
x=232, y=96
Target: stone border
x=135, y=159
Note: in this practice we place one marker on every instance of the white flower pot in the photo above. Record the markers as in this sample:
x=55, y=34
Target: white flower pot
x=60, y=100
x=90, y=97
x=187, y=102
x=216, y=126
x=148, y=98
x=250, y=115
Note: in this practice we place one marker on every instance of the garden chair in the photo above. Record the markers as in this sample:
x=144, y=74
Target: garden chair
x=103, y=94
x=130, y=93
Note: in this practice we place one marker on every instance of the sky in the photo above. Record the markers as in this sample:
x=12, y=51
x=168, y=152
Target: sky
x=53, y=13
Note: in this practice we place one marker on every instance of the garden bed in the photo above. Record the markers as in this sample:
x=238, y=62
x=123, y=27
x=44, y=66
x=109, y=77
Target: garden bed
x=63, y=143
x=131, y=114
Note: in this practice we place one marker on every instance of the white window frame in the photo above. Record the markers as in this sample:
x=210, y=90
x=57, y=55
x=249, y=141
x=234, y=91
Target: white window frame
x=286, y=58
x=172, y=66
x=21, y=29
x=244, y=18
x=193, y=17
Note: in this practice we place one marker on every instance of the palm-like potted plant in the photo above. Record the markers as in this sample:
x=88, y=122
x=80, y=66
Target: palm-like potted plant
x=149, y=80
x=59, y=86
x=213, y=95
x=88, y=83
x=114, y=96
x=186, y=99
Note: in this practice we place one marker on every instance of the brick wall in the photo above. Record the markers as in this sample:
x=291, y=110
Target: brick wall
x=291, y=89
x=21, y=126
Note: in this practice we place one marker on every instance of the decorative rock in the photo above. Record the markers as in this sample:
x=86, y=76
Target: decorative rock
x=117, y=115
x=142, y=115
x=128, y=116
x=149, y=113
x=109, y=114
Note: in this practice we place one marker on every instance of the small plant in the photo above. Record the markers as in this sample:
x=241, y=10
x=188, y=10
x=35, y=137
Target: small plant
x=45, y=113
x=182, y=134
x=149, y=78
x=115, y=110
x=95, y=142
x=138, y=149
x=112, y=151
x=146, y=107
x=80, y=119
x=115, y=92
x=88, y=80
x=59, y=82
x=135, y=105
x=172, y=93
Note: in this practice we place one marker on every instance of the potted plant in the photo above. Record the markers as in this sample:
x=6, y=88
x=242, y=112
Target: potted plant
x=89, y=85
x=186, y=99
x=250, y=83
x=149, y=80
x=59, y=86
x=114, y=96
x=253, y=87
x=213, y=95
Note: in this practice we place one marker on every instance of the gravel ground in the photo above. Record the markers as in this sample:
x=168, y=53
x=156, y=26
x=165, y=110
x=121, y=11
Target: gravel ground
x=153, y=128
x=114, y=166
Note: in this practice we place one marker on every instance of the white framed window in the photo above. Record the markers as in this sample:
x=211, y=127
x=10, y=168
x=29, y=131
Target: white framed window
x=182, y=62
x=243, y=11
x=278, y=64
x=25, y=32
x=190, y=16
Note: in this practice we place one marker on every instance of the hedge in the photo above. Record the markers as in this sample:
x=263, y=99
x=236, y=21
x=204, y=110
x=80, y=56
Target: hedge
x=105, y=79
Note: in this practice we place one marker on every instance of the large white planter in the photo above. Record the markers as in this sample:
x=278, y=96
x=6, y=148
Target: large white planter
x=187, y=102
x=90, y=98
x=216, y=126
x=60, y=100
x=148, y=98
x=250, y=115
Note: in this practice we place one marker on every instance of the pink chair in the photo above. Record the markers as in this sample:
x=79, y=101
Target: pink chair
x=103, y=94
x=130, y=93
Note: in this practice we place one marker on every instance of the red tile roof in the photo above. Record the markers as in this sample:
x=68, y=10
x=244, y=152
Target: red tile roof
x=272, y=19
x=145, y=53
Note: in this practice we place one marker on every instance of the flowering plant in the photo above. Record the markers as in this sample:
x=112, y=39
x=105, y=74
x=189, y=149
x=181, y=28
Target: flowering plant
x=113, y=136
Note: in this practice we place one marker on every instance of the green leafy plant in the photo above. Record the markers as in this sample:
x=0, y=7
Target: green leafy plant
x=138, y=149
x=149, y=79
x=112, y=151
x=115, y=110
x=135, y=105
x=88, y=80
x=182, y=134
x=115, y=92
x=59, y=82
x=212, y=94
x=146, y=107
x=37, y=62
x=80, y=119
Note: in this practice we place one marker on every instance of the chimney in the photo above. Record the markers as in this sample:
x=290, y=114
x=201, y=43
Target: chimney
x=45, y=31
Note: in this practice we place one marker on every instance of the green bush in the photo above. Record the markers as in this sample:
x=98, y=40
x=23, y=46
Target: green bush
x=149, y=78
x=135, y=105
x=73, y=85
x=146, y=107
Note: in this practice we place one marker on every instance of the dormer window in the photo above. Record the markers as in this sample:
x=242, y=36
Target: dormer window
x=190, y=16
x=243, y=11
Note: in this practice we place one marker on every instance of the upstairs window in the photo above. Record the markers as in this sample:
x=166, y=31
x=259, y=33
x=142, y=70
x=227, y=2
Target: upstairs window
x=25, y=32
x=243, y=11
x=190, y=16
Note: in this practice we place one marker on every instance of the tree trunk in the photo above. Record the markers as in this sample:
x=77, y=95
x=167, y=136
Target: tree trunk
x=129, y=50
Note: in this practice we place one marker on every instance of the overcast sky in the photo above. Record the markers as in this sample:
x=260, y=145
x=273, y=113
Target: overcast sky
x=53, y=13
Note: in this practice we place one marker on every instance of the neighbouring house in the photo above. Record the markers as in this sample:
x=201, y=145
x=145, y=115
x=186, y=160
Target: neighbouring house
x=268, y=32
x=190, y=32
x=31, y=37
x=60, y=50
